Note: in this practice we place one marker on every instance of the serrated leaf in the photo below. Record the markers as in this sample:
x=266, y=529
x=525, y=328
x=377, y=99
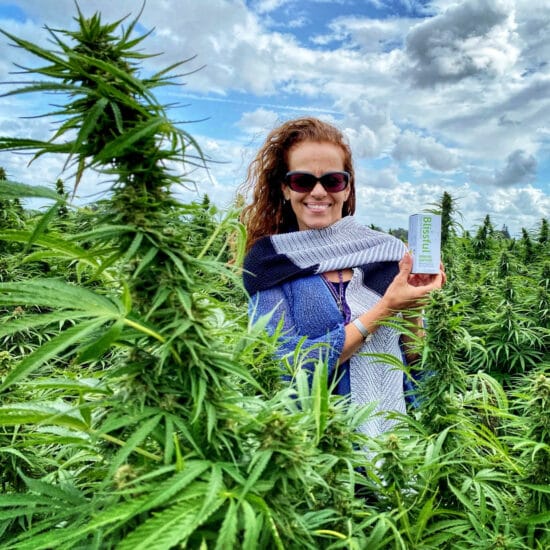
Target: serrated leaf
x=252, y=526
x=88, y=124
x=57, y=294
x=42, y=412
x=173, y=485
x=535, y=519
x=41, y=226
x=215, y=487
x=320, y=394
x=56, y=247
x=169, y=527
x=98, y=347
x=80, y=385
x=30, y=321
x=67, y=494
x=258, y=464
x=117, y=146
x=276, y=537
x=131, y=443
x=50, y=350
x=227, y=536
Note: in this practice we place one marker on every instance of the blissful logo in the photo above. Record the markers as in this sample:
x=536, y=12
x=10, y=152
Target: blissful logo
x=426, y=232
x=425, y=242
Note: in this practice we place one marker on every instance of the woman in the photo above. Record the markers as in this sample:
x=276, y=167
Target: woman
x=329, y=280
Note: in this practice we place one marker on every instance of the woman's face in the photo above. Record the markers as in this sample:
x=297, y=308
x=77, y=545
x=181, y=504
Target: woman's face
x=317, y=208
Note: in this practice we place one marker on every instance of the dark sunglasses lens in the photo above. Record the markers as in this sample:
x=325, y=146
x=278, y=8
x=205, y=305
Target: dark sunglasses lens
x=301, y=183
x=335, y=182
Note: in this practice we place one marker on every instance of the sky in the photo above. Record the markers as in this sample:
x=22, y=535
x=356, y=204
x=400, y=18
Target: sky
x=433, y=96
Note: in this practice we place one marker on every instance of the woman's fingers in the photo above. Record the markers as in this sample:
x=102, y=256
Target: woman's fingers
x=409, y=288
x=405, y=266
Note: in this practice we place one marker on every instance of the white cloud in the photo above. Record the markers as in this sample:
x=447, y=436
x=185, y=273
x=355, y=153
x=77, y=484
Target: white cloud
x=11, y=56
x=533, y=27
x=265, y=6
x=518, y=207
x=385, y=179
x=389, y=203
x=426, y=150
x=473, y=38
x=259, y=121
x=368, y=126
x=370, y=35
x=297, y=22
x=520, y=168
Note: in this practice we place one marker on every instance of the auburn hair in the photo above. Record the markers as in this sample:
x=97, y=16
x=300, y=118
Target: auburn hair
x=269, y=213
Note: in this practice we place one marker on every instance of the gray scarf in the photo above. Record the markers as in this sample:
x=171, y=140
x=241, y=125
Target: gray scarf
x=278, y=258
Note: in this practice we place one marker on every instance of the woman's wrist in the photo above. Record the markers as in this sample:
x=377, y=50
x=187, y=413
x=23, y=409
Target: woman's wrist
x=370, y=319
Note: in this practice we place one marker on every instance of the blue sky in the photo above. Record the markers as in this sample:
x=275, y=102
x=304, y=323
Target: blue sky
x=433, y=96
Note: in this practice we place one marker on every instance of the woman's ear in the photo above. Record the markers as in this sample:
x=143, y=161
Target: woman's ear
x=285, y=191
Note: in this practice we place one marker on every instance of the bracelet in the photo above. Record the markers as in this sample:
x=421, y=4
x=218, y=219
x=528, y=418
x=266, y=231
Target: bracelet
x=362, y=329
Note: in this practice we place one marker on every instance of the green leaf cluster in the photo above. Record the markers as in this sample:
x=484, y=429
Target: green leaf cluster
x=139, y=408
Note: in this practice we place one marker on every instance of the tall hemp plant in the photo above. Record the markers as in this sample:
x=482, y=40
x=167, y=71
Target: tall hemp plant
x=146, y=427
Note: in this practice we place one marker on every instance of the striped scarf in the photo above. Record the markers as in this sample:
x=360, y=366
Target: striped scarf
x=345, y=244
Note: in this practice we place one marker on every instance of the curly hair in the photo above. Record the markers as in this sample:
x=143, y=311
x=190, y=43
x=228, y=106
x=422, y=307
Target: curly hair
x=268, y=213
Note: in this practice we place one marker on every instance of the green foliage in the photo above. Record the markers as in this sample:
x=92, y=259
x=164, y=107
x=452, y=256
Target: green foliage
x=140, y=409
x=447, y=208
x=132, y=418
x=543, y=233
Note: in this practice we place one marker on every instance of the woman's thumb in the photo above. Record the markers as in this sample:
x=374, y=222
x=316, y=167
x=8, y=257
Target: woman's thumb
x=405, y=265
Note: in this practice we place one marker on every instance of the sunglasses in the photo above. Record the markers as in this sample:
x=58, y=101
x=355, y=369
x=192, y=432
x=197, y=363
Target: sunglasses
x=304, y=182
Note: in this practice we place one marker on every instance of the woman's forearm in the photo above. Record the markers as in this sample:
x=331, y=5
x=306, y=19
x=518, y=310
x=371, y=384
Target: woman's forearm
x=371, y=321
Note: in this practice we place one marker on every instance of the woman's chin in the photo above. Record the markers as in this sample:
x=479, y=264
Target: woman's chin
x=313, y=223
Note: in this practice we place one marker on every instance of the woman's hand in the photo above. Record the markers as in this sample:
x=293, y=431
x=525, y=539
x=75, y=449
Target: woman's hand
x=407, y=289
x=405, y=292
x=423, y=279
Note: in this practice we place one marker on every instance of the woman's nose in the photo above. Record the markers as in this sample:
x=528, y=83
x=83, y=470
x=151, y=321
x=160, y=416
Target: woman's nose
x=318, y=190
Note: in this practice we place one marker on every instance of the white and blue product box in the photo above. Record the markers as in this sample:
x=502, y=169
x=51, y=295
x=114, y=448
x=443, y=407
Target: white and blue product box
x=425, y=242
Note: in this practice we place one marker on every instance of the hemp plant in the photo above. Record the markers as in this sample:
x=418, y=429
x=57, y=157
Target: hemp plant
x=444, y=380
x=447, y=208
x=532, y=440
x=136, y=396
